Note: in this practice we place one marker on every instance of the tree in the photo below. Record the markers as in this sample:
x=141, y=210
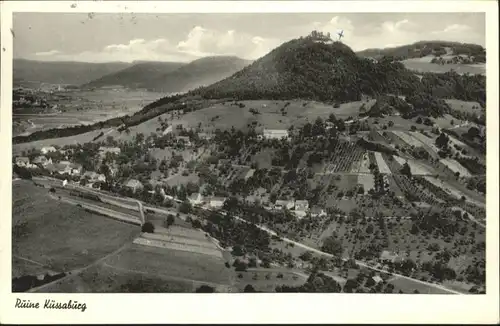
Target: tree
x=249, y=288
x=419, y=120
x=332, y=246
x=442, y=140
x=205, y=289
x=185, y=207
x=473, y=132
x=350, y=286
x=405, y=170
x=170, y=220
x=148, y=227
x=413, y=128
x=390, y=123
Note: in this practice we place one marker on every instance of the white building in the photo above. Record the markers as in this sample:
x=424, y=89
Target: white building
x=22, y=161
x=301, y=206
x=114, y=150
x=217, y=202
x=275, y=134
x=184, y=139
x=249, y=174
x=48, y=149
x=282, y=204
x=196, y=199
x=94, y=176
x=134, y=185
x=317, y=212
x=168, y=130
x=42, y=160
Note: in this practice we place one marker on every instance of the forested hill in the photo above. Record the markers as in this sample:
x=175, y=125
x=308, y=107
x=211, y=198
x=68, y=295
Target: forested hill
x=134, y=76
x=200, y=72
x=425, y=48
x=312, y=68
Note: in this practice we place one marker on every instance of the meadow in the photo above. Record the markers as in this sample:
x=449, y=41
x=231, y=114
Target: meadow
x=71, y=237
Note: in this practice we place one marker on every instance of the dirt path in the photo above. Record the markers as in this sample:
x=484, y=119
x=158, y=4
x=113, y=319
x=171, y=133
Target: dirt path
x=77, y=271
x=29, y=260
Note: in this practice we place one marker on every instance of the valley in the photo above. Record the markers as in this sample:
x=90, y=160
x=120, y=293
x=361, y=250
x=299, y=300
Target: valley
x=311, y=169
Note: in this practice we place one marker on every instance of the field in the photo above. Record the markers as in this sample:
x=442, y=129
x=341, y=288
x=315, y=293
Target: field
x=86, y=107
x=105, y=279
x=456, y=167
x=408, y=139
x=416, y=168
x=464, y=106
x=428, y=143
x=172, y=263
x=382, y=166
x=71, y=236
x=367, y=180
x=362, y=165
x=420, y=65
x=87, y=137
x=345, y=158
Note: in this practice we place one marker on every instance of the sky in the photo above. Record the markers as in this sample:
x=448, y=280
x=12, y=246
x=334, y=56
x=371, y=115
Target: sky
x=106, y=37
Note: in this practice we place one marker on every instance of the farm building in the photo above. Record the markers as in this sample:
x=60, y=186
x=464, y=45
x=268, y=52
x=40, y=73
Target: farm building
x=217, y=202
x=48, y=149
x=387, y=256
x=204, y=135
x=318, y=212
x=301, y=205
x=196, y=199
x=94, y=176
x=113, y=150
x=275, y=133
x=377, y=279
x=168, y=130
x=134, y=185
x=249, y=174
x=22, y=161
x=184, y=139
x=42, y=160
x=282, y=204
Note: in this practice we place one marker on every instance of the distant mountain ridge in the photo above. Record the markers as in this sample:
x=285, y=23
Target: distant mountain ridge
x=173, y=77
x=62, y=72
x=135, y=75
x=200, y=72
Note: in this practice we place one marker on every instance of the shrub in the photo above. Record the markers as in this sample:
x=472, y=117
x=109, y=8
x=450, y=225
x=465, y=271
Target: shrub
x=148, y=227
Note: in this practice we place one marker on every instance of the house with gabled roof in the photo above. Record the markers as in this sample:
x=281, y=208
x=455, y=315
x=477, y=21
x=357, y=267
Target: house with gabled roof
x=134, y=185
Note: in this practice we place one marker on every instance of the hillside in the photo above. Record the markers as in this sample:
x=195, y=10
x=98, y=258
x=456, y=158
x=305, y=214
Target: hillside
x=427, y=48
x=134, y=76
x=308, y=68
x=74, y=73
x=201, y=72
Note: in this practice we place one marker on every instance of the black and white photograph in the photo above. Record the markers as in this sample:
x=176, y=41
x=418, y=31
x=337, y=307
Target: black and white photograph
x=273, y=152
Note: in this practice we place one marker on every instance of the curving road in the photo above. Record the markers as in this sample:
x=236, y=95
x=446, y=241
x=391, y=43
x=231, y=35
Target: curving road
x=273, y=233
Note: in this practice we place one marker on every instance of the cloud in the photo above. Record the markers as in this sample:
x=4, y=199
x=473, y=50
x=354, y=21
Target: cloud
x=199, y=42
x=204, y=42
x=48, y=53
x=456, y=28
x=458, y=33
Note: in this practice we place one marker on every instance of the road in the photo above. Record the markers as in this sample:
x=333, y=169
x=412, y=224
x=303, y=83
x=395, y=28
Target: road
x=273, y=233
